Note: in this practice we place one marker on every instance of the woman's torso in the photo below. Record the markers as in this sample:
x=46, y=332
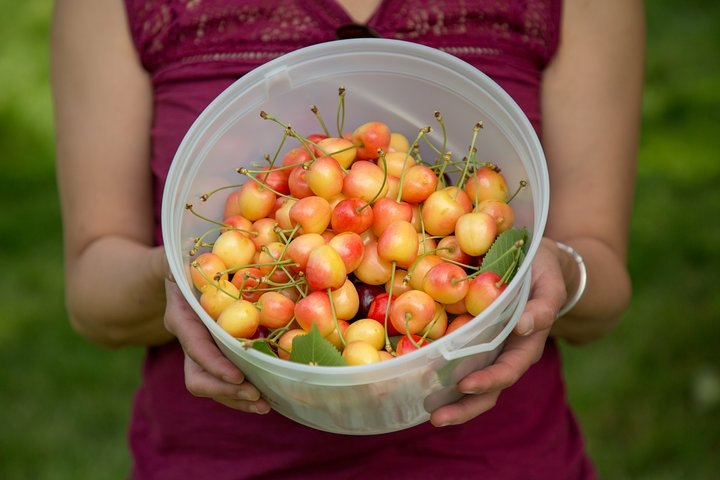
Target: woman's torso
x=196, y=48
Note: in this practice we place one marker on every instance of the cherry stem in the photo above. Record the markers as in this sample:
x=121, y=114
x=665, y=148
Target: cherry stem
x=381, y=155
x=282, y=254
x=408, y=317
x=388, y=345
x=340, y=117
x=439, y=118
x=432, y=147
x=471, y=159
x=206, y=196
x=423, y=131
x=517, y=248
x=523, y=184
x=441, y=174
x=246, y=172
x=271, y=163
x=316, y=111
x=289, y=131
x=435, y=319
x=191, y=209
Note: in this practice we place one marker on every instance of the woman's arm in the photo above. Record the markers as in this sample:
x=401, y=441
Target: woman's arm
x=591, y=104
x=591, y=101
x=103, y=108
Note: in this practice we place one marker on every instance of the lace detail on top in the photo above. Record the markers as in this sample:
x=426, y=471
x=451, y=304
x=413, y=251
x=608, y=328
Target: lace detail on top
x=174, y=33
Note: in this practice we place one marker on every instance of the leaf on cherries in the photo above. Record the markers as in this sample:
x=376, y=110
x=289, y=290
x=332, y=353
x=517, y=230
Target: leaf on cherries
x=264, y=348
x=506, y=253
x=313, y=349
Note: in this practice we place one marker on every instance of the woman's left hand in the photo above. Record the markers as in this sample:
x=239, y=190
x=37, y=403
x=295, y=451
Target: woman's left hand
x=523, y=347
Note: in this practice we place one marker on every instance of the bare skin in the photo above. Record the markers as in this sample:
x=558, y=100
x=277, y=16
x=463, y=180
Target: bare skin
x=118, y=293
x=360, y=10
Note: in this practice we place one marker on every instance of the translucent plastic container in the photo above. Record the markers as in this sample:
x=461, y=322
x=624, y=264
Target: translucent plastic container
x=401, y=84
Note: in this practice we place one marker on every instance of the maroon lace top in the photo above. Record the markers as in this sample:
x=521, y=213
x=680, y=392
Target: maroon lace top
x=196, y=48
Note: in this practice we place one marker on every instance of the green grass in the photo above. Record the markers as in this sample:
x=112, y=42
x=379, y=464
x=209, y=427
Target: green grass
x=648, y=395
x=64, y=404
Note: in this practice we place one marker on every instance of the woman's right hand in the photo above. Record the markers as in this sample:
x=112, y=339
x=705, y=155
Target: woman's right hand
x=208, y=373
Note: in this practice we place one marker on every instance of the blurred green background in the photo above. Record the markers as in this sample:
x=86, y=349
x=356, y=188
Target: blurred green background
x=648, y=395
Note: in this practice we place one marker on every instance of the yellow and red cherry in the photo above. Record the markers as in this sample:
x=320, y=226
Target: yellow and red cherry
x=437, y=327
x=482, y=291
x=419, y=269
x=325, y=269
x=442, y=209
x=282, y=214
x=398, y=284
x=398, y=143
x=335, y=338
x=366, y=330
x=486, y=183
x=346, y=300
x=285, y=342
x=316, y=309
x=295, y=157
x=232, y=204
x=255, y=201
x=458, y=322
x=412, y=311
x=311, y=213
x=366, y=181
x=501, y=211
x=205, y=268
x=341, y=149
x=351, y=215
x=378, y=308
x=448, y=248
x=263, y=232
x=275, y=178
x=313, y=140
x=249, y=282
x=300, y=247
x=373, y=269
x=397, y=162
x=215, y=298
x=234, y=248
x=276, y=310
x=398, y=243
x=369, y=138
x=405, y=346
x=239, y=223
x=325, y=177
x=240, y=319
x=446, y=282
x=417, y=183
x=386, y=210
x=360, y=353
x=350, y=247
x=475, y=233
x=297, y=183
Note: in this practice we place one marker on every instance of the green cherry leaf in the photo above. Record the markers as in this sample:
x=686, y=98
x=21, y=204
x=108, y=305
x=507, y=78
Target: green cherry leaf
x=504, y=257
x=263, y=347
x=313, y=349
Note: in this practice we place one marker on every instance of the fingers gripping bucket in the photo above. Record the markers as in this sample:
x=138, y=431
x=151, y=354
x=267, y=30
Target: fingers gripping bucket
x=401, y=84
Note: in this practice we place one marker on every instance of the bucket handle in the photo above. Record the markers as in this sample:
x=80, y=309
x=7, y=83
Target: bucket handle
x=500, y=337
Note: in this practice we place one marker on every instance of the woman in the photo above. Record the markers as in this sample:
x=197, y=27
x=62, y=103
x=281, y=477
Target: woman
x=129, y=79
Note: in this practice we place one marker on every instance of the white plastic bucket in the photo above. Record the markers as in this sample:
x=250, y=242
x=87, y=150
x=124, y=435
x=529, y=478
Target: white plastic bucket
x=401, y=84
